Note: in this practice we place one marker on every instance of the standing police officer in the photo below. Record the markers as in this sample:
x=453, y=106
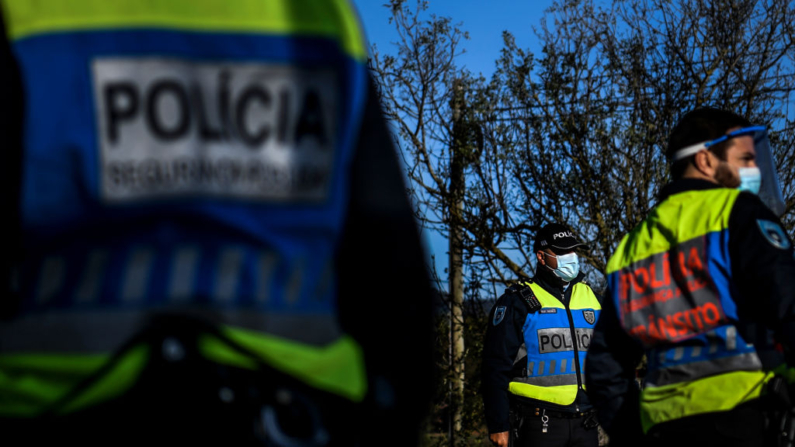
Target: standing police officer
x=194, y=186
x=705, y=287
x=535, y=349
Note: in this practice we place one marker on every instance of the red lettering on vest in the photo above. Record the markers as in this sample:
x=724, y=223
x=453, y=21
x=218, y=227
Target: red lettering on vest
x=679, y=322
x=641, y=284
x=657, y=283
x=682, y=267
x=694, y=262
x=623, y=285
x=653, y=332
x=679, y=325
x=711, y=314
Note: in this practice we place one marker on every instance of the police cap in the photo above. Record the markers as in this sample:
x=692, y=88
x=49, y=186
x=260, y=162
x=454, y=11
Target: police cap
x=557, y=237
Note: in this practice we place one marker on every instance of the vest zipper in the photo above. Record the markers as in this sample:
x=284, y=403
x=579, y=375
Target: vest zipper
x=573, y=339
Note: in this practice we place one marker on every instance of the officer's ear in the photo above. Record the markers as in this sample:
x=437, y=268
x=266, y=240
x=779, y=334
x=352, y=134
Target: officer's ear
x=706, y=163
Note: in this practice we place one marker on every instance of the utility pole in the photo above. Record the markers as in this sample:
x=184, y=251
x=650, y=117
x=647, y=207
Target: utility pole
x=456, y=264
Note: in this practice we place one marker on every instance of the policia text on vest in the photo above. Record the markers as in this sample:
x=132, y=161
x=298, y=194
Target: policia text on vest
x=257, y=131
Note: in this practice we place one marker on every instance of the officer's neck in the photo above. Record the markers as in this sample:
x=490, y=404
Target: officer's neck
x=550, y=281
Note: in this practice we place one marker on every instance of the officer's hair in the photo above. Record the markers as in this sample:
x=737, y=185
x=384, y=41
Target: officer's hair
x=697, y=126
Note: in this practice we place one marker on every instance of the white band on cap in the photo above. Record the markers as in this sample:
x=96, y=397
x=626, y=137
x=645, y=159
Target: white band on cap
x=690, y=150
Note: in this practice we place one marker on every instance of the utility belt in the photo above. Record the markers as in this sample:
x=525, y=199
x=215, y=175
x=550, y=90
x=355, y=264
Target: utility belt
x=538, y=412
x=520, y=413
x=537, y=409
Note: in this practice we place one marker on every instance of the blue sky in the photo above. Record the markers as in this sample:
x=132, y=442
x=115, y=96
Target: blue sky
x=485, y=22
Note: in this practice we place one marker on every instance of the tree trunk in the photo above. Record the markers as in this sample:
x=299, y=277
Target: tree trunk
x=456, y=267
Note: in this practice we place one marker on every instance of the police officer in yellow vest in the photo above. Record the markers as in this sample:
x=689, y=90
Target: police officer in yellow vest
x=535, y=349
x=705, y=288
x=202, y=199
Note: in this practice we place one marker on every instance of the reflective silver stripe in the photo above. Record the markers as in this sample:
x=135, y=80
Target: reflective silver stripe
x=228, y=279
x=731, y=338
x=552, y=367
x=556, y=380
x=136, y=278
x=696, y=351
x=104, y=331
x=531, y=368
x=51, y=278
x=267, y=267
x=521, y=354
x=89, y=288
x=183, y=277
x=563, y=365
x=696, y=370
x=679, y=353
x=540, y=367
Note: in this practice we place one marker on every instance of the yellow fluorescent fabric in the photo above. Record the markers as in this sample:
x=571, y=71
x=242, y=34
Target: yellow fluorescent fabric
x=712, y=394
x=325, y=18
x=688, y=215
x=29, y=383
x=115, y=382
x=337, y=368
x=582, y=297
x=561, y=395
x=545, y=298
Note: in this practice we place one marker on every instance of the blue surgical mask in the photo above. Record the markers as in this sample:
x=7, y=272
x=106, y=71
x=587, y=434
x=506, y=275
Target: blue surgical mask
x=568, y=266
x=750, y=180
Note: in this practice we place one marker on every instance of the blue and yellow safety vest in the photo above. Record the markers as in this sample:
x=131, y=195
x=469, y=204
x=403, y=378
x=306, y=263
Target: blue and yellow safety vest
x=670, y=280
x=556, y=339
x=187, y=156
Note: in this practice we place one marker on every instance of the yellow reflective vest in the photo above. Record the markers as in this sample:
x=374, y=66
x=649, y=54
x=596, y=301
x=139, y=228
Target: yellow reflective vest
x=670, y=281
x=556, y=339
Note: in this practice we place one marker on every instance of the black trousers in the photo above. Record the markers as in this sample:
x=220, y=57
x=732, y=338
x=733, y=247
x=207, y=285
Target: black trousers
x=561, y=432
x=746, y=426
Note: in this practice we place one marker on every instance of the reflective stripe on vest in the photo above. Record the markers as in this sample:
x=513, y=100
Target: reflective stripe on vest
x=334, y=19
x=721, y=392
x=188, y=155
x=551, y=369
x=670, y=282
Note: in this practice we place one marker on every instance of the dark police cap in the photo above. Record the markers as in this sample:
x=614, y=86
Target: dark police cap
x=558, y=238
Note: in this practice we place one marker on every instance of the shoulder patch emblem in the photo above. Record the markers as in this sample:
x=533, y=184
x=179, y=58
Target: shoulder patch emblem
x=590, y=316
x=774, y=234
x=499, y=314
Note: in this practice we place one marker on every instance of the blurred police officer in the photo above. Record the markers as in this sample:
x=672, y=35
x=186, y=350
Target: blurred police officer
x=535, y=350
x=194, y=186
x=705, y=287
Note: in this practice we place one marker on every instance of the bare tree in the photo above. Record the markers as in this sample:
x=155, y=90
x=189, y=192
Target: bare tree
x=593, y=114
x=577, y=133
